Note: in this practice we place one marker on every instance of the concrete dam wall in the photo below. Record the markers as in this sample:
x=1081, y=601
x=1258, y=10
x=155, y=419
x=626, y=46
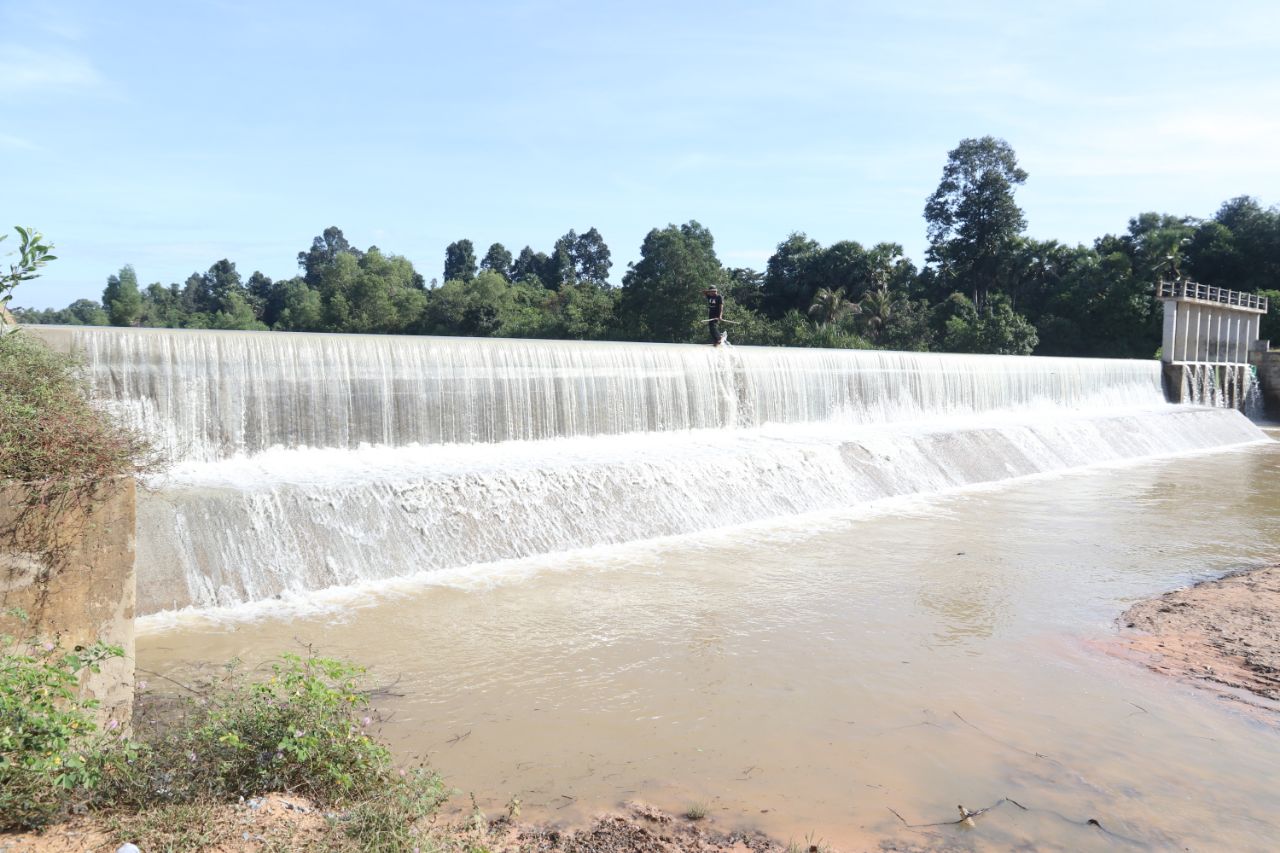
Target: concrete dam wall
x=302, y=462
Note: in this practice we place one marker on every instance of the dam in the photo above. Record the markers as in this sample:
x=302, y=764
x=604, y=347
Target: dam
x=809, y=590
x=302, y=462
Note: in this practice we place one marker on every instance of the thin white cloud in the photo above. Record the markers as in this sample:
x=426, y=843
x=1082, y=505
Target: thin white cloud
x=26, y=71
x=8, y=140
x=58, y=19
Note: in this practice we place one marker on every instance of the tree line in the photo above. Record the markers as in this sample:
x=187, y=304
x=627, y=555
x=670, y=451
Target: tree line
x=985, y=286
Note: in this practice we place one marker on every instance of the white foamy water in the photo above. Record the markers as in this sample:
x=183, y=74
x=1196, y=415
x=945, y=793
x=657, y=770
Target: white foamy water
x=211, y=395
x=311, y=461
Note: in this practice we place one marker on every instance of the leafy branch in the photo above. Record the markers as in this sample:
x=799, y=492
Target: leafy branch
x=33, y=253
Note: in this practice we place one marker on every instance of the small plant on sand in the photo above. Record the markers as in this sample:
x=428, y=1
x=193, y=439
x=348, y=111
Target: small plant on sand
x=697, y=811
x=810, y=845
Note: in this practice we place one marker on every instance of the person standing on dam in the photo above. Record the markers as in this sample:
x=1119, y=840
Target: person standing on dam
x=715, y=313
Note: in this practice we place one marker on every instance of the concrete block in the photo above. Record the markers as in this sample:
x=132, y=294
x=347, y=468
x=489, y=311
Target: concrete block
x=72, y=572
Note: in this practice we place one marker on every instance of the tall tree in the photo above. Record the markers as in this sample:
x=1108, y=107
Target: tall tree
x=560, y=270
x=121, y=298
x=662, y=292
x=324, y=250
x=498, y=260
x=787, y=277
x=972, y=215
x=265, y=297
x=529, y=267
x=460, y=261
x=222, y=287
x=591, y=258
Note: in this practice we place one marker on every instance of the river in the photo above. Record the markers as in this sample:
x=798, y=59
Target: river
x=806, y=676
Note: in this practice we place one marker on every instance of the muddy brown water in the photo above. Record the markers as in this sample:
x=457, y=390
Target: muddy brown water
x=807, y=677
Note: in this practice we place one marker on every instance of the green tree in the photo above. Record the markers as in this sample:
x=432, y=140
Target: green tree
x=907, y=327
x=266, y=298
x=478, y=307
x=121, y=298
x=662, y=292
x=1239, y=248
x=583, y=311
x=972, y=215
x=303, y=309
x=591, y=258
x=831, y=306
x=86, y=312
x=324, y=250
x=498, y=260
x=788, y=283
x=460, y=261
x=993, y=328
x=528, y=267
x=162, y=306
x=386, y=296
x=236, y=313
x=876, y=310
x=559, y=269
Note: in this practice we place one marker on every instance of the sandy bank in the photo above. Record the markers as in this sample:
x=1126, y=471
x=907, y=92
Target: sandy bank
x=1222, y=634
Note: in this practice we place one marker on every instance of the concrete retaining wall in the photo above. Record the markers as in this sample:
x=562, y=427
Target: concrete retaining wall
x=72, y=572
x=1267, y=363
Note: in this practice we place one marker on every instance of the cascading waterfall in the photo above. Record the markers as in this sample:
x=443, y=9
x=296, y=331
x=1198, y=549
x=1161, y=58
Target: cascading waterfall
x=307, y=461
x=1254, y=407
x=215, y=395
x=1220, y=384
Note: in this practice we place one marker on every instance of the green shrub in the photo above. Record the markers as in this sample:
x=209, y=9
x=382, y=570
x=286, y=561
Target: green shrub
x=301, y=730
x=50, y=750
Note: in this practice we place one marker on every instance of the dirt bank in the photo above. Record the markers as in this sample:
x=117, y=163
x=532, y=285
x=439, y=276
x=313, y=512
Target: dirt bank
x=1222, y=634
x=285, y=823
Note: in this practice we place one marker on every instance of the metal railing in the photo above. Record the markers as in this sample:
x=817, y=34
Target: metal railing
x=1191, y=290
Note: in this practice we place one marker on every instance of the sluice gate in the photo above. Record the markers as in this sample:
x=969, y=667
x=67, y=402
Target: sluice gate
x=1209, y=333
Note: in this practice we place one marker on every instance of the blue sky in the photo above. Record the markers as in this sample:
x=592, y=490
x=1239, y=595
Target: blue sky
x=169, y=135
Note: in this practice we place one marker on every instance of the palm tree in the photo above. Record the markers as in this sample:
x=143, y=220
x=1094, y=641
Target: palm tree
x=830, y=306
x=876, y=309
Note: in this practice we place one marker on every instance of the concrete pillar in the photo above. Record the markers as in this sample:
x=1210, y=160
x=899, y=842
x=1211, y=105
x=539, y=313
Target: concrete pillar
x=1170, y=336
x=1186, y=324
x=1202, y=334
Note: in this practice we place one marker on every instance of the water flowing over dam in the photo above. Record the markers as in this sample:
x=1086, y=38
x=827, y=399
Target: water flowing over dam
x=308, y=461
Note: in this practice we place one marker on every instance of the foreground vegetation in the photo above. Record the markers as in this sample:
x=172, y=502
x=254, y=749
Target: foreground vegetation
x=985, y=286
x=301, y=726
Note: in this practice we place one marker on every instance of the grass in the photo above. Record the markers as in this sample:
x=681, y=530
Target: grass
x=811, y=844
x=186, y=826
x=697, y=811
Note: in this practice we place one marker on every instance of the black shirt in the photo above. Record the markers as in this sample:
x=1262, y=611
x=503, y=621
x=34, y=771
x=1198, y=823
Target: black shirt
x=715, y=306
